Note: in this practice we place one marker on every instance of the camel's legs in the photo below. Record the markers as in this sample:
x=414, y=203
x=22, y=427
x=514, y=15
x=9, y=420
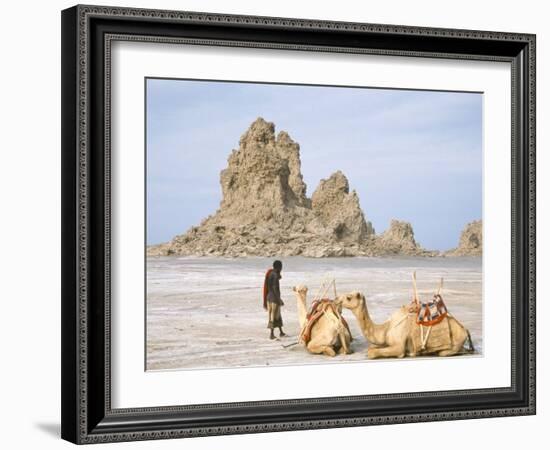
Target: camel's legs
x=345, y=348
x=449, y=352
x=325, y=349
x=454, y=350
x=409, y=349
x=317, y=348
x=344, y=341
x=395, y=351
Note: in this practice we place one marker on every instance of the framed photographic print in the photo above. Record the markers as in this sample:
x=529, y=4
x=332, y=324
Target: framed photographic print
x=279, y=224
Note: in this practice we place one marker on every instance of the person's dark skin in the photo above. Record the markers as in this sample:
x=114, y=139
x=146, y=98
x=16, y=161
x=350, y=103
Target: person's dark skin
x=281, y=333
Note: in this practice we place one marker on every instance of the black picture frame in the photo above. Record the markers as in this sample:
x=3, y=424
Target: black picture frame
x=87, y=416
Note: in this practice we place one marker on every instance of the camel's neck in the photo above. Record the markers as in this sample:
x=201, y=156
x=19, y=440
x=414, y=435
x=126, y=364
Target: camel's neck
x=374, y=333
x=302, y=310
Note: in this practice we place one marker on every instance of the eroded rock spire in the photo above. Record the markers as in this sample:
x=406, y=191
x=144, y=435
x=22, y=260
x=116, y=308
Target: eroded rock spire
x=265, y=211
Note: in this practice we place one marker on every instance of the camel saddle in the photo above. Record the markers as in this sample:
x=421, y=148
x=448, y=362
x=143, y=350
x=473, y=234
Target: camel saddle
x=431, y=313
x=317, y=309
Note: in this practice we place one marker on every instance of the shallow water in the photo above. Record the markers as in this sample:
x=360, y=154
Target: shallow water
x=207, y=312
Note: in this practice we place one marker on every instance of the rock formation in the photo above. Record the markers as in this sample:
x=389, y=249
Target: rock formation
x=265, y=211
x=398, y=239
x=340, y=211
x=470, y=242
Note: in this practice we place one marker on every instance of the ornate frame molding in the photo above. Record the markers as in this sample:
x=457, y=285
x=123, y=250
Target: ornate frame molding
x=83, y=421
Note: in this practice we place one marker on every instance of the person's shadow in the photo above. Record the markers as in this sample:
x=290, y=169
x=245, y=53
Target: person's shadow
x=53, y=429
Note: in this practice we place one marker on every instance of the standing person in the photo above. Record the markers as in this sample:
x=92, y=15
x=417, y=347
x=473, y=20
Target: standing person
x=272, y=299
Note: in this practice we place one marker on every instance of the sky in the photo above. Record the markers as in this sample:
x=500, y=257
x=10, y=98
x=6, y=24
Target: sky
x=410, y=155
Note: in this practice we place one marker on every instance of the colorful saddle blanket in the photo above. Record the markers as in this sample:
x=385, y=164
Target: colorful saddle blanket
x=317, y=309
x=432, y=313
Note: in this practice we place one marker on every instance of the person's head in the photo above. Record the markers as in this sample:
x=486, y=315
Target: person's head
x=278, y=265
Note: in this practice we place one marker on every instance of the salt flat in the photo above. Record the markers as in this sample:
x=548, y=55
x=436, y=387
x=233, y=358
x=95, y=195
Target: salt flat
x=207, y=312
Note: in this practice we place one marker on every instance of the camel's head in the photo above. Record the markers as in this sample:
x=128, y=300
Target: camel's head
x=352, y=300
x=300, y=290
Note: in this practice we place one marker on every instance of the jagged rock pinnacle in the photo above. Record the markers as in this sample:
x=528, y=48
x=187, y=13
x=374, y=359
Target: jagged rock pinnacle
x=264, y=209
x=340, y=210
x=471, y=240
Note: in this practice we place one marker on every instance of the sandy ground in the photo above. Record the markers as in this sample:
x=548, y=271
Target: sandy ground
x=207, y=312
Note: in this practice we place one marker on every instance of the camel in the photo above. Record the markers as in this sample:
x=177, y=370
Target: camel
x=399, y=336
x=329, y=334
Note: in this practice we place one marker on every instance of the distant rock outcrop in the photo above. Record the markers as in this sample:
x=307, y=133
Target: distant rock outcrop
x=265, y=211
x=339, y=210
x=471, y=241
x=398, y=239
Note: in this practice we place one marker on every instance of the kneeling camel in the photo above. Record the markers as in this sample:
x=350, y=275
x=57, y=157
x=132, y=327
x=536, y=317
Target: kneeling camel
x=399, y=336
x=329, y=334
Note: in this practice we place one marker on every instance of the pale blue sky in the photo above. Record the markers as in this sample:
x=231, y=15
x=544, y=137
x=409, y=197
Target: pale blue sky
x=410, y=155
